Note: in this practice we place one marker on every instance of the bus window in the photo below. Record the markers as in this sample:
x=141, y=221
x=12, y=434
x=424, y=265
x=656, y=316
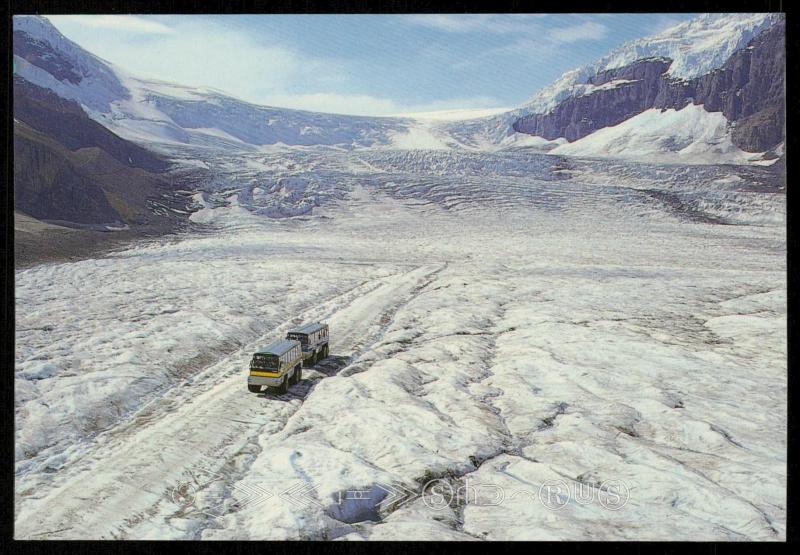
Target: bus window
x=302, y=338
x=265, y=361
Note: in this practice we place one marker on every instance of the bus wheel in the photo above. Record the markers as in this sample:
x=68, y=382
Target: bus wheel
x=253, y=388
x=284, y=387
x=325, y=350
x=298, y=373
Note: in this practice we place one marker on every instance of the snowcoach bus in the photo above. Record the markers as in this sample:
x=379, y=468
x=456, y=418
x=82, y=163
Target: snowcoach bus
x=277, y=365
x=314, y=339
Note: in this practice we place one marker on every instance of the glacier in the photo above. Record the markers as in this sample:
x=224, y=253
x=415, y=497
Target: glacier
x=500, y=321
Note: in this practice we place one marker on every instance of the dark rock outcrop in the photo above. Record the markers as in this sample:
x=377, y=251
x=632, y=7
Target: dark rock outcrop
x=39, y=49
x=42, y=55
x=48, y=185
x=577, y=117
x=47, y=112
x=69, y=168
x=749, y=89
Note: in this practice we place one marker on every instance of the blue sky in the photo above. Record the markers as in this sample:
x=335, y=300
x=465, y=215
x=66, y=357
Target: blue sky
x=361, y=64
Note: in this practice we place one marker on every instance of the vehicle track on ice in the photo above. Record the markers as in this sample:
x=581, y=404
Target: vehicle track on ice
x=120, y=488
x=376, y=317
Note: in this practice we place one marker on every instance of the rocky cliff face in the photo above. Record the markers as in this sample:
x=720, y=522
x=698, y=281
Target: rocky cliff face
x=48, y=113
x=70, y=168
x=748, y=89
x=42, y=54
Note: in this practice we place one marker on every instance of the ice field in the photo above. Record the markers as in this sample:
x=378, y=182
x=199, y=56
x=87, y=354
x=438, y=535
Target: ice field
x=524, y=346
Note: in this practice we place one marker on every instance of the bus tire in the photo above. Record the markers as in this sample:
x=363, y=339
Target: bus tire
x=284, y=387
x=325, y=350
x=254, y=388
x=298, y=373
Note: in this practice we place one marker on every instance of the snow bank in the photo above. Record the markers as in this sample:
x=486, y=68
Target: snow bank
x=523, y=140
x=419, y=137
x=690, y=135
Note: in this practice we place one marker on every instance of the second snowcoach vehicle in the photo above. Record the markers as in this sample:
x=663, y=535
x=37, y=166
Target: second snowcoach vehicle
x=314, y=339
x=277, y=365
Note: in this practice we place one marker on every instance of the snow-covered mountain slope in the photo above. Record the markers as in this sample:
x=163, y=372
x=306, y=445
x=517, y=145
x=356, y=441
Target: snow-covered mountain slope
x=691, y=135
x=46, y=58
x=733, y=64
x=696, y=47
x=157, y=112
x=184, y=115
x=709, y=53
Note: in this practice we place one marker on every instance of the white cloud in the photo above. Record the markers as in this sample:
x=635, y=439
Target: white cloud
x=465, y=23
x=366, y=105
x=454, y=114
x=204, y=54
x=233, y=60
x=532, y=26
x=452, y=104
x=449, y=23
x=590, y=30
x=333, y=103
x=128, y=23
x=538, y=42
x=664, y=22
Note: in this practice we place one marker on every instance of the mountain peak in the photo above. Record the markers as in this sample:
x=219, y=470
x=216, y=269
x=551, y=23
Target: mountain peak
x=695, y=47
x=37, y=26
x=45, y=57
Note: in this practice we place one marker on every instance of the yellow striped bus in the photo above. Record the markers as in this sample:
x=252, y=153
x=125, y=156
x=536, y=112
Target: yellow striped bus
x=278, y=365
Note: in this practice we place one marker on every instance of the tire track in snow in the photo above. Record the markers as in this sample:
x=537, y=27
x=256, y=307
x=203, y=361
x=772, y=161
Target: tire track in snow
x=107, y=442
x=132, y=474
x=361, y=310
x=177, y=392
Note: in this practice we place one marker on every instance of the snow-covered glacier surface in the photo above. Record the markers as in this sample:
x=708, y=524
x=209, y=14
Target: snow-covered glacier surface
x=523, y=347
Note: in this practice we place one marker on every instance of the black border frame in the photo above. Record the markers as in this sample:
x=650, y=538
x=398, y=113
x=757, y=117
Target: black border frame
x=7, y=308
